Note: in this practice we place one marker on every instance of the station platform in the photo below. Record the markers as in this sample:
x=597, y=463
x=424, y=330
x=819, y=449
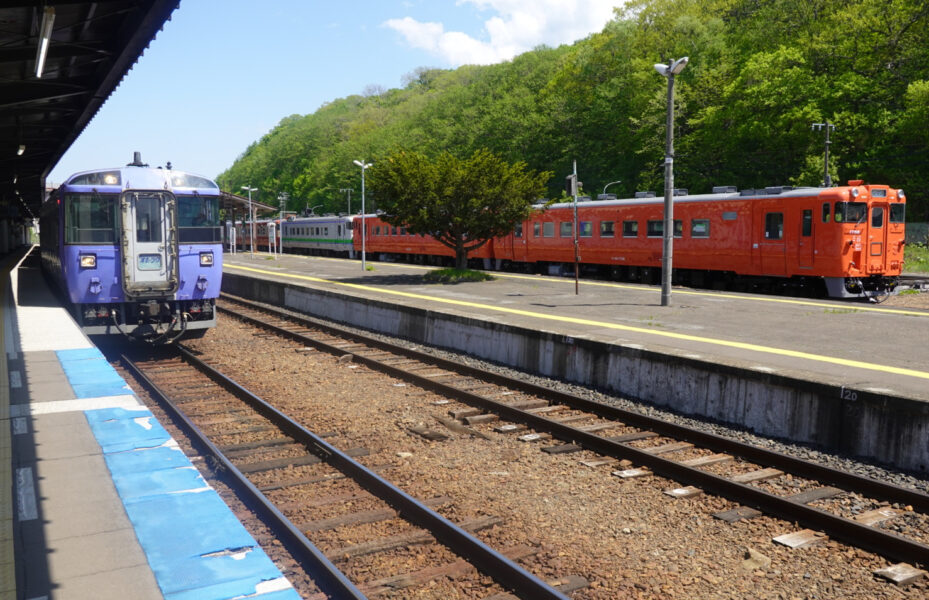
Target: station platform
x=98, y=501
x=862, y=361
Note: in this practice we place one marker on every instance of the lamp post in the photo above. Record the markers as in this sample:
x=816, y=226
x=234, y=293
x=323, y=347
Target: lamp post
x=364, y=167
x=282, y=198
x=349, y=192
x=251, y=219
x=611, y=183
x=674, y=67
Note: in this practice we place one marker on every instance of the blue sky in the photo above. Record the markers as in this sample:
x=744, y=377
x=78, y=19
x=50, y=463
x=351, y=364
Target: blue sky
x=222, y=73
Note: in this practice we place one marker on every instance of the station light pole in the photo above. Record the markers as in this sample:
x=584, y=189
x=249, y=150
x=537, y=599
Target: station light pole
x=282, y=198
x=611, y=183
x=251, y=219
x=674, y=67
x=364, y=166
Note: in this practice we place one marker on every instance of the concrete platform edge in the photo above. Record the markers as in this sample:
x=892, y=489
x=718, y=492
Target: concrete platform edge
x=884, y=428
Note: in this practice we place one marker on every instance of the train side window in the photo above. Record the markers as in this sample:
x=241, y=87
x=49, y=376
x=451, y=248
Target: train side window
x=807, y=225
x=656, y=228
x=567, y=229
x=774, y=226
x=518, y=232
x=548, y=229
x=877, y=217
x=535, y=229
x=585, y=229
x=898, y=213
x=606, y=229
x=827, y=212
x=730, y=215
x=630, y=229
x=699, y=228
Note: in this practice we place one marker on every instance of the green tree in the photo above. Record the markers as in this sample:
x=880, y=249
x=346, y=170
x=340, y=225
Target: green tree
x=463, y=203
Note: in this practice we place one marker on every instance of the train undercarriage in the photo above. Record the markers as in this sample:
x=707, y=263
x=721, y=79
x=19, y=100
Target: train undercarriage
x=154, y=320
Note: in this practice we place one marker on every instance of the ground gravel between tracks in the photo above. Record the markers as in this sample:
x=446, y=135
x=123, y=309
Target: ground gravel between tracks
x=627, y=537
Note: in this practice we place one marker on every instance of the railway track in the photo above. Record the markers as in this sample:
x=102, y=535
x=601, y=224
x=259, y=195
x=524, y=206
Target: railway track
x=262, y=449
x=759, y=480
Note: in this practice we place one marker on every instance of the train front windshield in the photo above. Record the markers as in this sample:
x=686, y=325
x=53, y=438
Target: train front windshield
x=851, y=212
x=198, y=219
x=90, y=218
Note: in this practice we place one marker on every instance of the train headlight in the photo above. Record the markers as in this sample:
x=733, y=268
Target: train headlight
x=88, y=261
x=206, y=259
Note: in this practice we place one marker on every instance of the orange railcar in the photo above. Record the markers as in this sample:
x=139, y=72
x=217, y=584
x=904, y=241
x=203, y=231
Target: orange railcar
x=849, y=238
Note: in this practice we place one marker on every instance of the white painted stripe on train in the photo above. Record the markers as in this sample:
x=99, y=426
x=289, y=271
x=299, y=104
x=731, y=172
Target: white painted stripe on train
x=126, y=401
x=26, y=508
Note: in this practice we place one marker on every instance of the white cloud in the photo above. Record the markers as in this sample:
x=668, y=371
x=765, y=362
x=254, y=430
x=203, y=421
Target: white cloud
x=517, y=26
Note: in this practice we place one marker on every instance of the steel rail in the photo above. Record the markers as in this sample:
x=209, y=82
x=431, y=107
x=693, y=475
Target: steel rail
x=856, y=534
x=329, y=578
x=494, y=564
x=876, y=489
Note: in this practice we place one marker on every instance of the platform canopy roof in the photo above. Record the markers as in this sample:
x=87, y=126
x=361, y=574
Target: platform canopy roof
x=239, y=204
x=90, y=48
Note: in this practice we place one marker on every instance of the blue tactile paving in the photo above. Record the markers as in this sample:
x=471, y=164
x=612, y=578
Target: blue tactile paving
x=90, y=375
x=119, y=430
x=195, y=546
x=167, y=457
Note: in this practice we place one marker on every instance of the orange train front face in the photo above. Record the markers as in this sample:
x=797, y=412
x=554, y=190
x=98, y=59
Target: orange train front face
x=868, y=232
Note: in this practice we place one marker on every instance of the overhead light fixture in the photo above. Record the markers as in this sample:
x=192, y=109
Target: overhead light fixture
x=21, y=149
x=45, y=36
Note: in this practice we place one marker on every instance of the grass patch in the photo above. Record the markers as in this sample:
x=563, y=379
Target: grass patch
x=369, y=267
x=916, y=258
x=456, y=276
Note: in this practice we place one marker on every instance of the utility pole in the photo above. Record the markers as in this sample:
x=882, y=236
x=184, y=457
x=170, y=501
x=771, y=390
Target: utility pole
x=349, y=192
x=571, y=185
x=827, y=126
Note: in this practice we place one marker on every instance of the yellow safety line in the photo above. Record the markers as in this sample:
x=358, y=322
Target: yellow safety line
x=7, y=558
x=565, y=319
x=652, y=289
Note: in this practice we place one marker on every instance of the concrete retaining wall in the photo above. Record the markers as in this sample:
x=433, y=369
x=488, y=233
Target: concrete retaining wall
x=887, y=429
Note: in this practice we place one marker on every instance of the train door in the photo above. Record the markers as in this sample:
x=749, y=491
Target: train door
x=806, y=244
x=877, y=238
x=149, y=243
x=516, y=243
x=772, y=247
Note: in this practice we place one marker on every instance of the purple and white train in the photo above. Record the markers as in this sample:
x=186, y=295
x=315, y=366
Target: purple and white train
x=136, y=250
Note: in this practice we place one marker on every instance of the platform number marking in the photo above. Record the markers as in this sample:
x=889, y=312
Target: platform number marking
x=850, y=395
